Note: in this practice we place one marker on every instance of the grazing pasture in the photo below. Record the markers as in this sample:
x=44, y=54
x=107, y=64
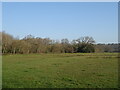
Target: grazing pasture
x=77, y=70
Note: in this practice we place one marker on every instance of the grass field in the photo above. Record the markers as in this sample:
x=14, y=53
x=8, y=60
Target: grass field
x=93, y=70
x=0, y=71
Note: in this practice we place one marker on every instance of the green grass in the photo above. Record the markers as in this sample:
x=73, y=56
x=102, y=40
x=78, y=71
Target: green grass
x=0, y=72
x=90, y=70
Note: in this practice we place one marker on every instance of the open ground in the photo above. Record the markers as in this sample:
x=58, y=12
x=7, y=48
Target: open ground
x=77, y=70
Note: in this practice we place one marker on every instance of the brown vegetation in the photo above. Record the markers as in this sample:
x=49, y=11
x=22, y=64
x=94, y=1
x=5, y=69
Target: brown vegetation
x=30, y=44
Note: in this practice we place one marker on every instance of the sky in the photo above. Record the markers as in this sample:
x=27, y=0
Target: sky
x=58, y=20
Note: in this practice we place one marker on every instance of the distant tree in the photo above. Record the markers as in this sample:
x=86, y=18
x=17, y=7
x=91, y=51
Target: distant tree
x=67, y=47
x=30, y=44
x=0, y=43
x=65, y=41
x=107, y=48
x=6, y=42
x=85, y=48
x=86, y=39
x=0, y=38
x=28, y=37
x=56, y=48
x=84, y=45
x=74, y=44
x=15, y=47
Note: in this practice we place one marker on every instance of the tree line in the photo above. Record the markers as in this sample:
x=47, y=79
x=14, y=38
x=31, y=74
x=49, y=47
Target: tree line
x=31, y=44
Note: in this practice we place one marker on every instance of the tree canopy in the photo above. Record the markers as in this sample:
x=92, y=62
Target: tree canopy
x=30, y=44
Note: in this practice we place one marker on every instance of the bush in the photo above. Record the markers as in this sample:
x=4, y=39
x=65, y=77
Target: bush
x=85, y=48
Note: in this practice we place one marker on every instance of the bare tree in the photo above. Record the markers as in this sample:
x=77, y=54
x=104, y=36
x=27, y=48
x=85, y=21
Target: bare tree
x=6, y=42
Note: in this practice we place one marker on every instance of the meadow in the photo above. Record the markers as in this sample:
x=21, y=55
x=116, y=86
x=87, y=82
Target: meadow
x=69, y=70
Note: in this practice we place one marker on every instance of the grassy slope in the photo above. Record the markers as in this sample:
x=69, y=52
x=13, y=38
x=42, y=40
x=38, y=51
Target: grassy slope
x=60, y=71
